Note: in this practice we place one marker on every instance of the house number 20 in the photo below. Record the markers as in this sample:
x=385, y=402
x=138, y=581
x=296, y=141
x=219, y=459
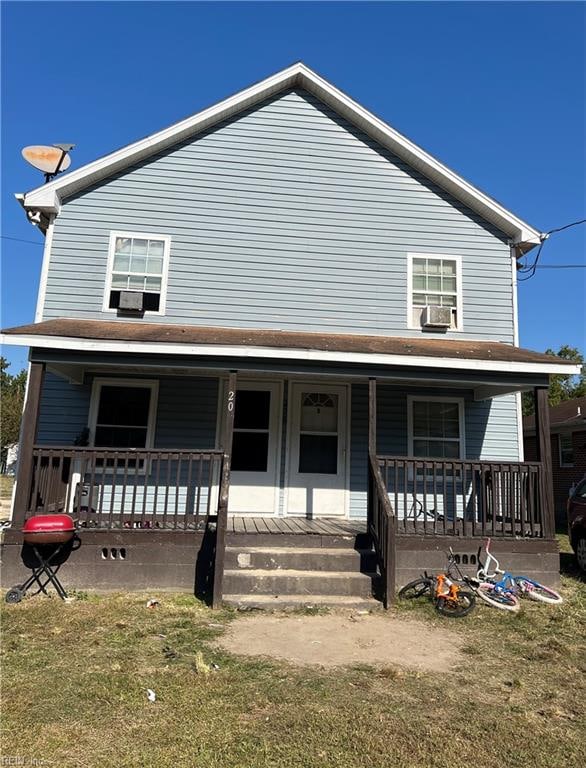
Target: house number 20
x=231, y=397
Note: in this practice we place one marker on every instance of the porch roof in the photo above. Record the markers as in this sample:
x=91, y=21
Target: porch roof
x=167, y=338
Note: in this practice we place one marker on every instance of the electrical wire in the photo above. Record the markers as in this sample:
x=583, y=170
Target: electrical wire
x=20, y=240
x=530, y=270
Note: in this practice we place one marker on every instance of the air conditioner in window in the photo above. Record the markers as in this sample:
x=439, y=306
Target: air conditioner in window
x=436, y=317
x=130, y=301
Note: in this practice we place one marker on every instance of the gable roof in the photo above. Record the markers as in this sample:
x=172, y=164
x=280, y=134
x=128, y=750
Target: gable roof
x=47, y=198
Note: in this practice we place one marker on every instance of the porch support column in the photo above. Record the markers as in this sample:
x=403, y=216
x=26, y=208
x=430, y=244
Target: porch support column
x=222, y=524
x=371, y=449
x=543, y=440
x=28, y=434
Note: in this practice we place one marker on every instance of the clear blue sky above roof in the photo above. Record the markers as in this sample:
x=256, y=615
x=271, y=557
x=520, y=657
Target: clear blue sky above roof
x=495, y=91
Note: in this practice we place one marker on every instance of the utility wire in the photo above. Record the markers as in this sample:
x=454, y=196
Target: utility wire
x=530, y=270
x=20, y=240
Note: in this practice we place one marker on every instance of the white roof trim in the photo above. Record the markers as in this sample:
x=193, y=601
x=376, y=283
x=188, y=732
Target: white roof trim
x=315, y=355
x=48, y=197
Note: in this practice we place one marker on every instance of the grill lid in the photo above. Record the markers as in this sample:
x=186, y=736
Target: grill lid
x=49, y=524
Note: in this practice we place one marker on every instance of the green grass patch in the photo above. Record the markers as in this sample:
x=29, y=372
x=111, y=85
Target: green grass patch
x=75, y=680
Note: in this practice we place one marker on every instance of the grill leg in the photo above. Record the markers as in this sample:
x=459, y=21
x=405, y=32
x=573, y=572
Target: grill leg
x=48, y=570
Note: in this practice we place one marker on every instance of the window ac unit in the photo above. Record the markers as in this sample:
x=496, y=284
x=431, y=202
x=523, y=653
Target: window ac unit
x=130, y=301
x=436, y=317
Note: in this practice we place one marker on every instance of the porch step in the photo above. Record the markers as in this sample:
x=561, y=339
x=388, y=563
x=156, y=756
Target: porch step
x=297, y=602
x=277, y=582
x=300, y=558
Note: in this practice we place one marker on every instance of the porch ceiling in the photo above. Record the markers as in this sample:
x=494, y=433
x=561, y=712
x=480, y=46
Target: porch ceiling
x=391, y=351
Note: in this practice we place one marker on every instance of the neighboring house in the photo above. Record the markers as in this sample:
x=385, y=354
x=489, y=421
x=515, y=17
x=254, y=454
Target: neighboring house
x=568, y=449
x=274, y=342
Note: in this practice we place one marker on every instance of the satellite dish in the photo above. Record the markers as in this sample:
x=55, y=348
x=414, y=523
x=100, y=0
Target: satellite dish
x=49, y=160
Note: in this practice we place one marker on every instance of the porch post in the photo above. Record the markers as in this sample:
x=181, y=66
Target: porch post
x=222, y=523
x=28, y=434
x=371, y=450
x=543, y=441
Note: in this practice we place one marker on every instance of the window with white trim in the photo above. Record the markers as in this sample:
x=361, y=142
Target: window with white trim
x=566, y=446
x=138, y=264
x=122, y=413
x=434, y=282
x=436, y=428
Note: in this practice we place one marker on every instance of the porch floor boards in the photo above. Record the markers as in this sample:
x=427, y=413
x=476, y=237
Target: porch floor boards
x=295, y=525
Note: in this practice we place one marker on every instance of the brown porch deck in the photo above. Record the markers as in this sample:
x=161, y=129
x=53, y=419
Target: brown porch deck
x=324, y=526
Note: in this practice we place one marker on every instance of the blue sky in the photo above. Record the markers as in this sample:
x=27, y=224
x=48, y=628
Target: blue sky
x=494, y=90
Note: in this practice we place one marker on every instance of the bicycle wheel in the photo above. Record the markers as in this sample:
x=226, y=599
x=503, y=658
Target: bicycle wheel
x=416, y=588
x=458, y=607
x=496, y=598
x=536, y=591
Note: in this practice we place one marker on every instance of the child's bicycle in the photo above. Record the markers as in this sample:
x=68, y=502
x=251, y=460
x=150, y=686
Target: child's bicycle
x=509, y=584
x=447, y=595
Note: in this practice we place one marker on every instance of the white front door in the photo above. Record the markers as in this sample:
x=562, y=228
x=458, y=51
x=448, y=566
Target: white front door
x=254, y=486
x=317, y=451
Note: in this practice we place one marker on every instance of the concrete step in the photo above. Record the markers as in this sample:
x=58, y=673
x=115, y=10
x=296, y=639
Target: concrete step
x=256, y=581
x=300, y=558
x=298, y=602
x=360, y=541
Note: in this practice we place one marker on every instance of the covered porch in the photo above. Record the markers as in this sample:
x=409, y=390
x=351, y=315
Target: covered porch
x=350, y=476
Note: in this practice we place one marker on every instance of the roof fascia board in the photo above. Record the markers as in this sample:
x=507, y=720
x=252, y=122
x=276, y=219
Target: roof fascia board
x=47, y=198
x=236, y=351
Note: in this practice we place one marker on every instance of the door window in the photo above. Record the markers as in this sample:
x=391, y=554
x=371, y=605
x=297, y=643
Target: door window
x=318, y=434
x=250, y=445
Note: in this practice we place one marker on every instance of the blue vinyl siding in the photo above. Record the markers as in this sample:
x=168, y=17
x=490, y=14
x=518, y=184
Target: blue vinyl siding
x=284, y=217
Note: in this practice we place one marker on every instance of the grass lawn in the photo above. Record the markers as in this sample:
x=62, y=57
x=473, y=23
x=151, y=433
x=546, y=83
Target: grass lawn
x=75, y=679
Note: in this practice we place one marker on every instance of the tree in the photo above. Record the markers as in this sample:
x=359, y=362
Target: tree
x=12, y=390
x=561, y=387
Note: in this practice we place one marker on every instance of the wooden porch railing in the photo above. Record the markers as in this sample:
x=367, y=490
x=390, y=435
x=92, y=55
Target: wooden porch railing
x=382, y=529
x=466, y=498
x=131, y=488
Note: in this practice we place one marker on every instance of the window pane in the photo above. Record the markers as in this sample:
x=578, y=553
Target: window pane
x=124, y=405
x=449, y=284
x=252, y=409
x=136, y=282
x=122, y=262
x=419, y=283
x=156, y=248
x=154, y=266
x=448, y=301
x=434, y=283
x=123, y=245
x=434, y=299
x=419, y=266
x=318, y=454
x=419, y=299
x=139, y=247
x=250, y=451
x=433, y=267
x=448, y=267
x=153, y=283
x=120, y=437
x=138, y=263
x=119, y=281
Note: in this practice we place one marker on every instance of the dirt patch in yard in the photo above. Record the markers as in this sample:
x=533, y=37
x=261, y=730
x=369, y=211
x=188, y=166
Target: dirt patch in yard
x=343, y=640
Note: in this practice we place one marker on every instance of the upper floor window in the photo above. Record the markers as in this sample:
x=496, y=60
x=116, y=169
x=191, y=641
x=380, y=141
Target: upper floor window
x=436, y=427
x=566, y=450
x=434, y=281
x=137, y=265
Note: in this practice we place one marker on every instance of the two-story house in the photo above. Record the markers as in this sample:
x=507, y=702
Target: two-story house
x=276, y=349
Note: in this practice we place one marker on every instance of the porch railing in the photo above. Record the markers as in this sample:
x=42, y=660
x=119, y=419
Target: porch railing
x=128, y=488
x=382, y=529
x=466, y=498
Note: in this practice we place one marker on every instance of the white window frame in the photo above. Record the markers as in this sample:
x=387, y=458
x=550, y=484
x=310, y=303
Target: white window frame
x=436, y=399
x=459, y=302
x=100, y=382
x=164, y=275
x=571, y=436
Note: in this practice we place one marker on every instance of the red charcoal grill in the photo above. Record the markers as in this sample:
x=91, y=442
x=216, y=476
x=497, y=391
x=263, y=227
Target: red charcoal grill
x=47, y=535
